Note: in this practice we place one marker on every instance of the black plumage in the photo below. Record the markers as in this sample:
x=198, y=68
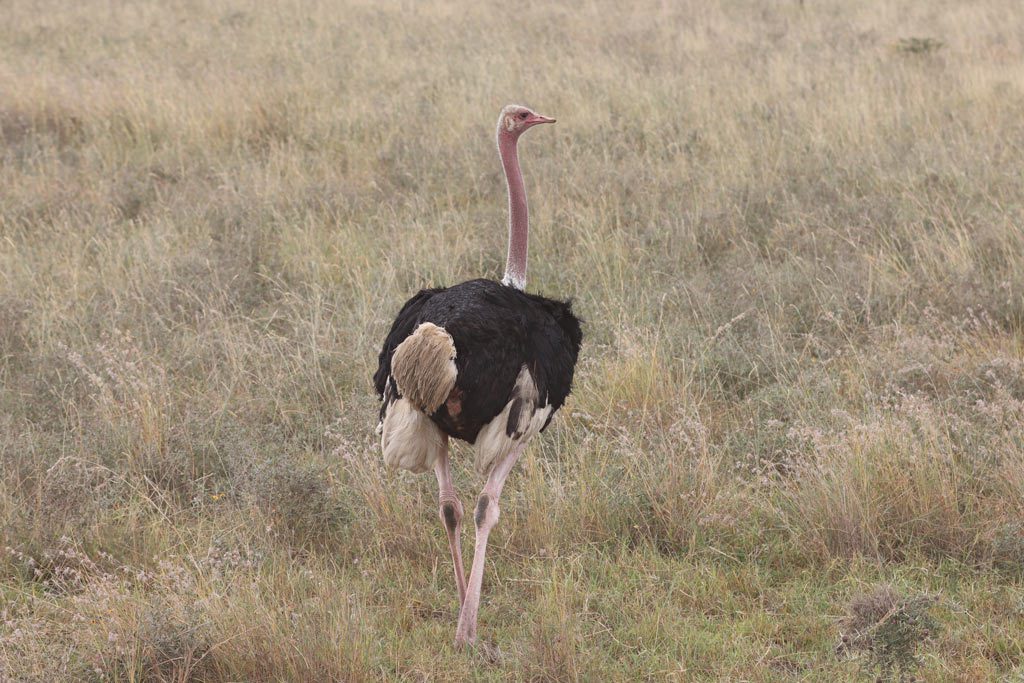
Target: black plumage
x=496, y=330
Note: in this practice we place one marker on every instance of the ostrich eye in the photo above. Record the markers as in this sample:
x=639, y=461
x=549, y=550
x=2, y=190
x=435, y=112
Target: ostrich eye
x=522, y=115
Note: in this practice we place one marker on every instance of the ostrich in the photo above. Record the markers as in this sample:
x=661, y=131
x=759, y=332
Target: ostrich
x=481, y=361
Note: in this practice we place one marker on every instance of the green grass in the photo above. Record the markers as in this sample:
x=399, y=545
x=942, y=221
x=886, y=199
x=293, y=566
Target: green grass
x=793, y=230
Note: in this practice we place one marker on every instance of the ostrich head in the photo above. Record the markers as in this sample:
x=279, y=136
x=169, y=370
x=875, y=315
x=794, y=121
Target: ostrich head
x=515, y=119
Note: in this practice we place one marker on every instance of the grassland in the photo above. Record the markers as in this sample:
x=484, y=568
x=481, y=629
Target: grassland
x=793, y=229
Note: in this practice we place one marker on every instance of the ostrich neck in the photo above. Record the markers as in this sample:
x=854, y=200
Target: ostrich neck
x=518, y=218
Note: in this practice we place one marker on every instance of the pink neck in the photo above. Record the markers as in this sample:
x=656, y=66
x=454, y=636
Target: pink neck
x=518, y=218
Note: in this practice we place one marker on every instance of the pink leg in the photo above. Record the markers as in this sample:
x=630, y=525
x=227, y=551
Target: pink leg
x=486, y=517
x=451, y=517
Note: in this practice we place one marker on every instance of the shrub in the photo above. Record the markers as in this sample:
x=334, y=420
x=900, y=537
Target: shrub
x=887, y=629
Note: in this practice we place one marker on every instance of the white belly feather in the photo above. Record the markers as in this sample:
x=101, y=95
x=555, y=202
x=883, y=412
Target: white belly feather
x=494, y=441
x=412, y=441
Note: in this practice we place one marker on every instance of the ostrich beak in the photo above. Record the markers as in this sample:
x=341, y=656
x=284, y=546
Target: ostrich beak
x=537, y=118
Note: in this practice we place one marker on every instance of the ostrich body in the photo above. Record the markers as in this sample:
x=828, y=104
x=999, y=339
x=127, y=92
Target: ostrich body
x=481, y=361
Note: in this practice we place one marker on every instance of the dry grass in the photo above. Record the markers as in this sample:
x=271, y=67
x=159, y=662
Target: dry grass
x=794, y=230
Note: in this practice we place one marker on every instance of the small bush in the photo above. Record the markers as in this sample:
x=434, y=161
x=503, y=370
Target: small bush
x=919, y=46
x=298, y=498
x=887, y=628
x=1008, y=549
x=172, y=646
x=74, y=491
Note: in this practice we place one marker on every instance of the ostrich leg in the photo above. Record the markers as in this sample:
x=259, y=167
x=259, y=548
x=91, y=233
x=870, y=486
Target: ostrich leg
x=451, y=517
x=486, y=517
